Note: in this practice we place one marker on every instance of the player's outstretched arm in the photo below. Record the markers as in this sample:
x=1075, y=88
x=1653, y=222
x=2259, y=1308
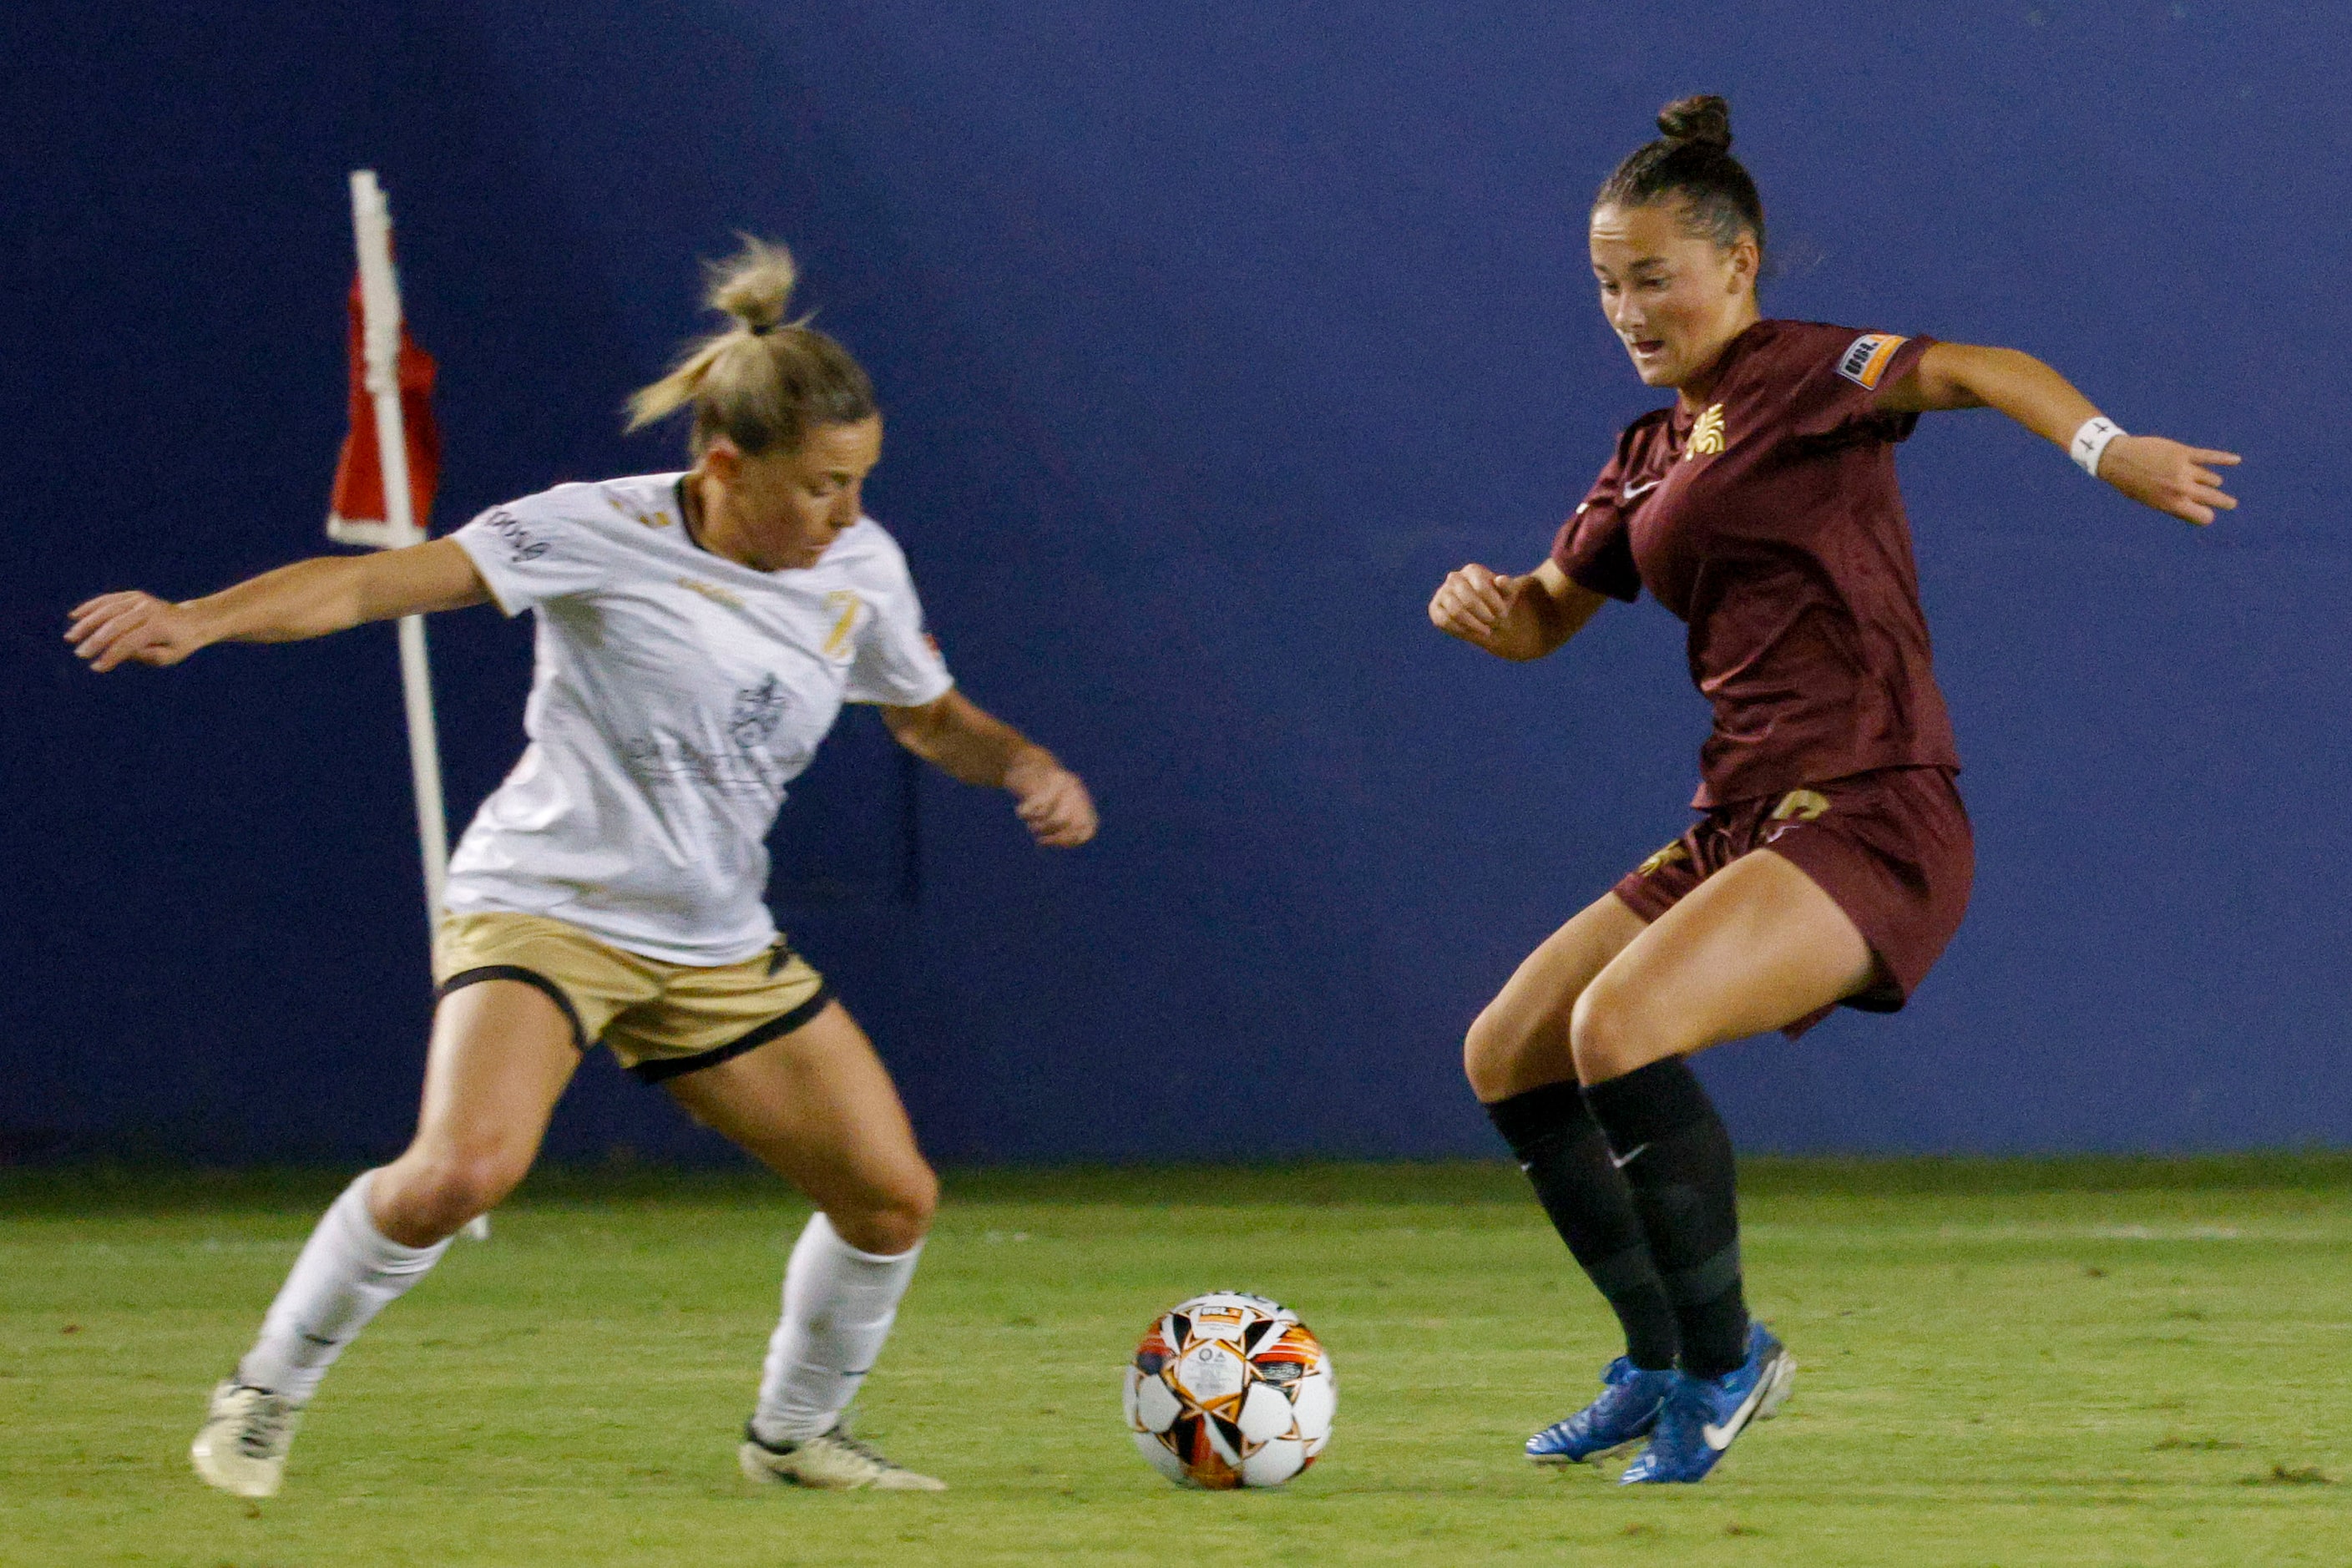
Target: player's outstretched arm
x=2173, y=479
x=962, y=739
x=308, y=599
x=1516, y=618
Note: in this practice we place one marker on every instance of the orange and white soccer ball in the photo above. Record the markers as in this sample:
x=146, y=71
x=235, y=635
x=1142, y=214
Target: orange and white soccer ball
x=1230, y=1390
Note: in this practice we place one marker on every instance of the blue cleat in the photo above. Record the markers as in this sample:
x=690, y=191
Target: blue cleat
x=1628, y=1407
x=1702, y=1415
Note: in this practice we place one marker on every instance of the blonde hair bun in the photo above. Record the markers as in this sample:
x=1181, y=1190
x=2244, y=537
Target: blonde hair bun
x=754, y=285
x=764, y=383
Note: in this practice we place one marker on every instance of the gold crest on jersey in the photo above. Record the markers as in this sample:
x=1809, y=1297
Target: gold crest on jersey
x=1706, y=436
x=841, y=602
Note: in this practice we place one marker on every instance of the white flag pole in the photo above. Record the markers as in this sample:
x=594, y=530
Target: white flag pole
x=380, y=318
x=380, y=338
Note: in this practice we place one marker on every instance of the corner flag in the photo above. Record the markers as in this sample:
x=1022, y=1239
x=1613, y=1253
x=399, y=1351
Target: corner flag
x=357, y=513
x=384, y=487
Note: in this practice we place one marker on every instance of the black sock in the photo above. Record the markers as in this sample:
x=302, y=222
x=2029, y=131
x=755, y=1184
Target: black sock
x=1677, y=1155
x=1561, y=1148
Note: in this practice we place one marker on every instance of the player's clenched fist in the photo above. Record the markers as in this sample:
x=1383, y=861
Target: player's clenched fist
x=1053, y=801
x=1472, y=602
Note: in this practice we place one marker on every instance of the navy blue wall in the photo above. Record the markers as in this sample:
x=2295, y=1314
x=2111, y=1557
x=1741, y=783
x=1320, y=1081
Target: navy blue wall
x=1210, y=339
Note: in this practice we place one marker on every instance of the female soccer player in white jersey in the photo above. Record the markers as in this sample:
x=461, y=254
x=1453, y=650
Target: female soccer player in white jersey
x=697, y=634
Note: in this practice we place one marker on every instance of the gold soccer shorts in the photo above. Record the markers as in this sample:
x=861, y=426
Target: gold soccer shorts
x=660, y=1019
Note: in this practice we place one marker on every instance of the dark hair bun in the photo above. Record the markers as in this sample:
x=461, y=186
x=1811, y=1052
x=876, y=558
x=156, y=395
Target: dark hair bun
x=1703, y=119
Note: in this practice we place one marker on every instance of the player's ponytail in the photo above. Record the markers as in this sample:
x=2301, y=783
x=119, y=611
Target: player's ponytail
x=1692, y=161
x=764, y=383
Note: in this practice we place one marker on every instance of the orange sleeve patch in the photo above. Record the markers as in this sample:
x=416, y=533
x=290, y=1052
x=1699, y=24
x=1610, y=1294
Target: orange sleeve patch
x=1865, y=361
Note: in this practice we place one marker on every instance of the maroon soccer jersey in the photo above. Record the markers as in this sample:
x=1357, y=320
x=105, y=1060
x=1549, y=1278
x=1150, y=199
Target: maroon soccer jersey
x=1770, y=523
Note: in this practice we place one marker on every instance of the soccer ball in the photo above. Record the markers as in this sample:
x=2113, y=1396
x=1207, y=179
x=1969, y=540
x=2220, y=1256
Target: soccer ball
x=1230, y=1390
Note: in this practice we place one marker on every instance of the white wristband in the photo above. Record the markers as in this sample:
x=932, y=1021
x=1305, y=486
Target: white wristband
x=2090, y=441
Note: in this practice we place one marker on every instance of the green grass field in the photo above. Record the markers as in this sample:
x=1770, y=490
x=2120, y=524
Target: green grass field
x=2003, y=1363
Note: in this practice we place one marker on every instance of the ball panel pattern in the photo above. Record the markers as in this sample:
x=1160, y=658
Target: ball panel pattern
x=1230, y=1390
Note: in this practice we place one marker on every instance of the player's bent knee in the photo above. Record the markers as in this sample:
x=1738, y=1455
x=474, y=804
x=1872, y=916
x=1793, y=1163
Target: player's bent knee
x=1489, y=1050
x=892, y=1221
x=1613, y=1031
x=434, y=1196
x=911, y=1215
x=886, y=1233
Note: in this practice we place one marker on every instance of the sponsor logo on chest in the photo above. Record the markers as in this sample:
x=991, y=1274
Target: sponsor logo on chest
x=757, y=709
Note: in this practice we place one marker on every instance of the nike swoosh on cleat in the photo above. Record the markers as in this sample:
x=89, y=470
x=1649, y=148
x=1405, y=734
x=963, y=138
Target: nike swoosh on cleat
x=1621, y=1161
x=1719, y=1438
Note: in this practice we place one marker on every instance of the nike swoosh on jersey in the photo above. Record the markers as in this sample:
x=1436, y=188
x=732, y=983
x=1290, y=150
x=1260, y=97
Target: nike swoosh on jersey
x=1621, y=1161
x=1719, y=1438
x=1635, y=492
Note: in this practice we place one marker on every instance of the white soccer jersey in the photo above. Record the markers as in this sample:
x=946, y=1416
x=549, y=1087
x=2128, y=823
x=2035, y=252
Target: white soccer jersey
x=674, y=695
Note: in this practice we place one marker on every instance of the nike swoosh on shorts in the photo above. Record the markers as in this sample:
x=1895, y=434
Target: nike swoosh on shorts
x=1634, y=492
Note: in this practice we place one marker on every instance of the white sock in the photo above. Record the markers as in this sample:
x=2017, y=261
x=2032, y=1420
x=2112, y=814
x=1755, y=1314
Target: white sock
x=348, y=1273
x=839, y=1304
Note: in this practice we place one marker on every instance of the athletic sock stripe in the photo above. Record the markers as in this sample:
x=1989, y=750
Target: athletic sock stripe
x=1623, y=1273
x=1705, y=1280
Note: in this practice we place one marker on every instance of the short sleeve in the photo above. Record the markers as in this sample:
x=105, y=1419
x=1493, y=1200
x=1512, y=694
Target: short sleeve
x=897, y=663
x=530, y=552
x=1592, y=546
x=1838, y=375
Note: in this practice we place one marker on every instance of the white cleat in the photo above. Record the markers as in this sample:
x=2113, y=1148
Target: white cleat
x=241, y=1447
x=836, y=1461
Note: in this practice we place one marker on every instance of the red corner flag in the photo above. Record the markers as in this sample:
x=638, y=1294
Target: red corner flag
x=356, y=513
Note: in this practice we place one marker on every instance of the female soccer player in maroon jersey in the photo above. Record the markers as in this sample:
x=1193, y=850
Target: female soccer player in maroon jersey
x=1831, y=860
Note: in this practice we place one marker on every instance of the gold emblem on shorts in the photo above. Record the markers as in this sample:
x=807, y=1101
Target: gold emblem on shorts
x=1801, y=805
x=1666, y=856
x=1706, y=436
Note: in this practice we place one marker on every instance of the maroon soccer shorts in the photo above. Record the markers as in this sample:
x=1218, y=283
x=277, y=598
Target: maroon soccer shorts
x=1892, y=848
